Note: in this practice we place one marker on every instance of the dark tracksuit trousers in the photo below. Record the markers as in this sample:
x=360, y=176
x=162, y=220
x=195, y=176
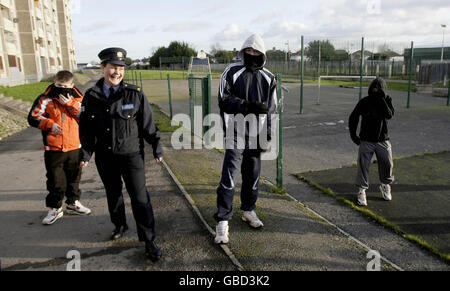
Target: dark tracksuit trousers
x=248, y=162
x=112, y=168
x=63, y=177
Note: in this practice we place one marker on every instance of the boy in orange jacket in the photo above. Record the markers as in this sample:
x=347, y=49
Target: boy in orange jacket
x=56, y=113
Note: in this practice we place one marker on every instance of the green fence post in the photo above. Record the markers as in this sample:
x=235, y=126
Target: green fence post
x=411, y=56
x=206, y=102
x=160, y=68
x=448, y=96
x=170, y=96
x=182, y=66
x=361, y=68
x=191, y=100
x=280, y=134
x=302, y=75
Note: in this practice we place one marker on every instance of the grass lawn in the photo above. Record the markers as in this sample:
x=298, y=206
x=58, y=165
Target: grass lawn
x=182, y=75
x=28, y=92
x=161, y=75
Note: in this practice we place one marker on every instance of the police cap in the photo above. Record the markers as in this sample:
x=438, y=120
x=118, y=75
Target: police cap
x=114, y=55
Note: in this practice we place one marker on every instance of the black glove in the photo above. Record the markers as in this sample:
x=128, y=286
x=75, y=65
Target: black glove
x=356, y=140
x=256, y=107
x=389, y=99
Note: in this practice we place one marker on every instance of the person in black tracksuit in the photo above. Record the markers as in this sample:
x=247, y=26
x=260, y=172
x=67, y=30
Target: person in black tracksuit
x=116, y=119
x=375, y=111
x=245, y=88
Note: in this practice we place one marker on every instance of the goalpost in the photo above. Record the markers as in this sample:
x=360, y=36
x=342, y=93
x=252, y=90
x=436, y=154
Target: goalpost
x=340, y=78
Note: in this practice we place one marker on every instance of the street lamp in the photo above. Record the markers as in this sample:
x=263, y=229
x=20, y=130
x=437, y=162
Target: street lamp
x=443, y=37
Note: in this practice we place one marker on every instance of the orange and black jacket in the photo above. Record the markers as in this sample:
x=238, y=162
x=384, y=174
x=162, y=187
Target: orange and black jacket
x=47, y=110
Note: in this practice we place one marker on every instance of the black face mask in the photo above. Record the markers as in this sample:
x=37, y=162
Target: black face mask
x=253, y=62
x=378, y=94
x=56, y=91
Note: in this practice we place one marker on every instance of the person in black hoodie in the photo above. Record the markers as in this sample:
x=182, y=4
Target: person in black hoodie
x=375, y=110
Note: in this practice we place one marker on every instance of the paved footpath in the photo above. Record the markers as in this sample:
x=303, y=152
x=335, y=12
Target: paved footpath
x=293, y=239
x=25, y=244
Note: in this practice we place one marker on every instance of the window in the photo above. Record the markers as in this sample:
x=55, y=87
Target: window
x=12, y=61
x=1, y=63
x=52, y=62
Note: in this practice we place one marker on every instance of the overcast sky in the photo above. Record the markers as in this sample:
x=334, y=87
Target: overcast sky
x=141, y=26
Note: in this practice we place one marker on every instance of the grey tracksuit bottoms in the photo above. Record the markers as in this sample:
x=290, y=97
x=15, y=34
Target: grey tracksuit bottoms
x=383, y=152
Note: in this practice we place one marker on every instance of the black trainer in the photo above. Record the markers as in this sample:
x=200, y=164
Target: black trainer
x=118, y=232
x=152, y=251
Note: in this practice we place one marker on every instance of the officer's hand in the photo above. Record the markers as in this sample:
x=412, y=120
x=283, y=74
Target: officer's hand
x=159, y=160
x=257, y=108
x=56, y=129
x=84, y=164
x=64, y=99
x=388, y=99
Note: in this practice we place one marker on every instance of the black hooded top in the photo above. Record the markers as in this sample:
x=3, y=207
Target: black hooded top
x=375, y=111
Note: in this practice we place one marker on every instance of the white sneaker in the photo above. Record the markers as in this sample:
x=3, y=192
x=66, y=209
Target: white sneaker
x=222, y=233
x=362, y=199
x=53, y=215
x=250, y=216
x=78, y=208
x=386, y=192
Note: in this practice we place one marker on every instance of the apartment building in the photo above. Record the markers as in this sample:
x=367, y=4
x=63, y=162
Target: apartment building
x=11, y=71
x=43, y=38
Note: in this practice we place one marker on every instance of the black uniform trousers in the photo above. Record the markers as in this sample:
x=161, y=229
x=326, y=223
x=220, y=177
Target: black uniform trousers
x=248, y=163
x=63, y=177
x=131, y=167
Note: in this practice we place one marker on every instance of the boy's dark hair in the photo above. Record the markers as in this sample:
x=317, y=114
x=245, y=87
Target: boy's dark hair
x=64, y=76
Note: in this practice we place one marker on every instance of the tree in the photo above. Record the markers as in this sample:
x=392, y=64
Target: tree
x=175, y=49
x=224, y=56
x=128, y=61
x=220, y=55
x=341, y=55
x=327, y=51
x=276, y=55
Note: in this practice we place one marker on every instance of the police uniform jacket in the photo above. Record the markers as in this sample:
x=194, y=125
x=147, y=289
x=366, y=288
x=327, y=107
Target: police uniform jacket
x=118, y=124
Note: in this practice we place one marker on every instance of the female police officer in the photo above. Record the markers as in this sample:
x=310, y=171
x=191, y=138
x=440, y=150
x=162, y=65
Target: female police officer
x=116, y=119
